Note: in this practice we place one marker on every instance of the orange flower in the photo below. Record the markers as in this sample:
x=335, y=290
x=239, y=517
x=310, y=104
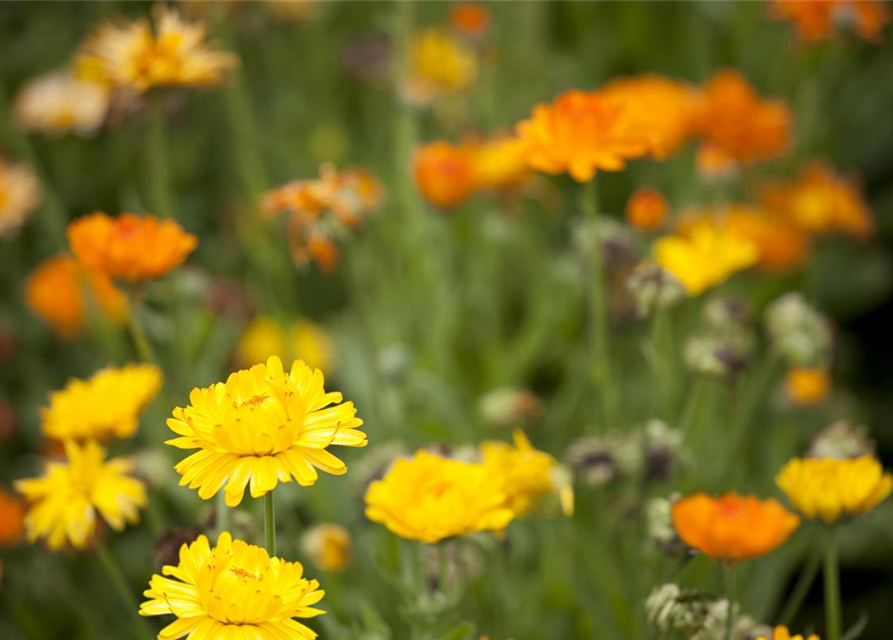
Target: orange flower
x=647, y=209
x=805, y=386
x=714, y=164
x=733, y=118
x=470, y=19
x=584, y=131
x=12, y=518
x=499, y=162
x=732, y=527
x=129, y=247
x=444, y=174
x=56, y=291
x=782, y=245
x=819, y=19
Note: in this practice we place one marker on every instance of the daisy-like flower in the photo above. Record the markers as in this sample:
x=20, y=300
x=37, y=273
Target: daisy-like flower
x=131, y=56
x=830, y=488
x=782, y=633
x=430, y=498
x=261, y=427
x=817, y=20
x=584, y=131
x=647, y=209
x=301, y=340
x=732, y=527
x=107, y=405
x=806, y=386
x=19, y=195
x=525, y=472
x=64, y=502
x=59, y=103
x=234, y=591
x=129, y=247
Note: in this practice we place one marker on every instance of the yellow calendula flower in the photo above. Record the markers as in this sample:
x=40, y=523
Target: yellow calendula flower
x=261, y=427
x=525, y=472
x=329, y=546
x=704, y=256
x=782, y=633
x=107, y=405
x=64, y=502
x=234, y=591
x=829, y=488
x=264, y=337
x=19, y=195
x=59, y=103
x=430, y=498
x=439, y=65
x=130, y=55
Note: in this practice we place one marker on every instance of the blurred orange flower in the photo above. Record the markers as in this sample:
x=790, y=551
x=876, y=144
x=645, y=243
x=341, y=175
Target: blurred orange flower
x=713, y=163
x=444, y=174
x=733, y=118
x=499, y=162
x=584, y=131
x=805, y=386
x=129, y=247
x=647, y=209
x=470, y=19
x=732, y=527
x=12, y=518
x=57, y=291
x=821, y=19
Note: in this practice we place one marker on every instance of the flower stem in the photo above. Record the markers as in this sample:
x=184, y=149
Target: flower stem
x=159, y=178
x=270, y=523
x=120, y=582
x=730, y=596
x=832, y=588
x=143, y=346
x=222, y=516
x=801, y=588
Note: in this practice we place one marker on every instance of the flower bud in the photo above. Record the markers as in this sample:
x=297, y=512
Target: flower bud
x=798, y=332
x=653, y=287
x=841, y=440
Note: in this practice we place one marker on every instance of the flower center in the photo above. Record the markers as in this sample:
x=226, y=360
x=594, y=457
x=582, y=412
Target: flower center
x=256, y=400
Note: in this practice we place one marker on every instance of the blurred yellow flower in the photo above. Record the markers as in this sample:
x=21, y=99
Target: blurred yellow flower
x=821, y=19
x=647, y=209
x=303, y=340
x=328, y=546
x=805, y=386
x=19, y=195
x=263, y=426
x=440, y=65
x=12, y=518
x=64, y=502
x=526, y=473
x=128, y=54
x=59, y=103
x=107, y=405
x=234, y=591
x=830, y=488
x=499, y=162
x=704, y=255
x=60, y=291
x=782, y=633
x=129, y=247
x=430, y=498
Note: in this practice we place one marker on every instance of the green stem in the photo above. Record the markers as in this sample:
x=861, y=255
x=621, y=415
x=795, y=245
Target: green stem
x=143, y=346
x=832, y=588
x=801, y=589
x=731, y=596
x=270, y=523
x=222, y=516
x=159, y=177
x=120, y=582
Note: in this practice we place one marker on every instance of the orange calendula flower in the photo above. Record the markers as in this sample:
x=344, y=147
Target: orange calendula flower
x=804, y=386
x=782, y=244
x=499, y=162
x=444, y=174
x=821, y=19
x=782, y=633
x=12, y=518
x=59, y=103
x=19, y=195
x=129, y=247
x=732, y=527
x=714, y=164
x=470, y=19
x=60, y=290
x=582, y=132
x=733, y=118
x=647, y=209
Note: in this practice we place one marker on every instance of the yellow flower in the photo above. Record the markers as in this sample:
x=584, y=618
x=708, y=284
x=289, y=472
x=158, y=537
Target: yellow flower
x=704, y=256
x=262, y=426
x=19, y=195
x=128, y=54
x=782, y=633
x=805, y=386
x=328, y=545
x=828, y=488
x=440, y=65
x=305, y=340
x=525, y=472
x=59, y=103
x=64, y=502
x=430, y=498
x=108, y=405
x=234, y=591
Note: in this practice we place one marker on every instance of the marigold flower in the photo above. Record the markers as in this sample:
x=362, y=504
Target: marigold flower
x=734, y=119
x=129, y=247
x=820, y=19
x=704, y=255
x=470, y=19
x=781, y=244
x=525, y=472
x=806, y=386
x=262, y=426
x=782, y=633
x=329, y=546
x=830, y=488
x=582, y=132
x=444, y=174
x=235, y=591
x=59, y=289
x=732, y=527
x=440, y=65
x=59, y=103
x=301, y=340
x=107, y=405
x=647, y=209
x=64, y=502
x=130, y=55
x=19, y=195
x=12, y=518
x=430, y=498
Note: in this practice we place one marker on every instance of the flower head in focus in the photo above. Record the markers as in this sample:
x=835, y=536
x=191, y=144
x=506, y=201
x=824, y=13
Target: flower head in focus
x=107, y=405
x=732, y=527
x=263, y=426
x=234, y=590
x=430, y=498
x=440, y=66
x=829, y=488
x=817, y=20
x=129, y=247
x=328, y=545
x=526, y=473
x=806, y=386
x=19, y=195
x=782, y=633
x=301, y=340
x=64, y=501
x=647, y=209
x=12, y=518
x=59, y=103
